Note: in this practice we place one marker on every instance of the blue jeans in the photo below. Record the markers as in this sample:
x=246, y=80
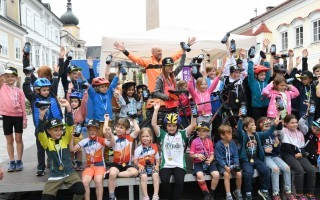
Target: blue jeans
x=276, y=164
x=248, y=171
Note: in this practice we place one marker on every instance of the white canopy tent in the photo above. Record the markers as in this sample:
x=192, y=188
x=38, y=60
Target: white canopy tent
x=169, y=38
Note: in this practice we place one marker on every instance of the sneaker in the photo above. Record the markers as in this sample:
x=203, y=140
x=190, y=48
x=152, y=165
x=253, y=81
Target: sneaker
x=248, y=198
x=155, y=197
x=19, y=166
x=237, y=195
x=207, y=197
x=276, y=197
x=264, y=195
x=114, y=198
x=311, y=197
x=289, y=196
x=229, y=198
x=12, y=166
x=301, y=197
x=40, y=172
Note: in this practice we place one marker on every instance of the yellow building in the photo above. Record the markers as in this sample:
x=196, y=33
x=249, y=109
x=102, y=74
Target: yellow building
x=294, y=24
x=11, y=35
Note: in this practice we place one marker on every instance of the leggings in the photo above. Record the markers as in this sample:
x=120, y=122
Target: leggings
x=178, y=174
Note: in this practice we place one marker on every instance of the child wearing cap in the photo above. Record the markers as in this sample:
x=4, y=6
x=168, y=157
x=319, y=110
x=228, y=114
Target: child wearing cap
x=142, y=92
x=312, y=139
x=202, y=152
x=78, y=102
x=42, y=94
x=251, y=155
x=258, y=78
x=13, y=111
x=227, y=157
x=122, y=148
x=93, y=147
x=56, y=144
x=172, y=142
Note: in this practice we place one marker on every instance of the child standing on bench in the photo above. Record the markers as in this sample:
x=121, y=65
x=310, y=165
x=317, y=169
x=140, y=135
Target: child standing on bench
x=146, y=158
x=173, y=160
x=228, y=161
x=202, y=152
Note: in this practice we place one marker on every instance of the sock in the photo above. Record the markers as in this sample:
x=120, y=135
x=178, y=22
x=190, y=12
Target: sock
x=111, y=195
x=203, y=186
x=19, y=161
x=228, y=194
x=248, y=194
x=238, y=191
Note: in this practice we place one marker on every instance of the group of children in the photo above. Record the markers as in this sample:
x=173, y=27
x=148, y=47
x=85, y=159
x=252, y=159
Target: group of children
x=261, y=141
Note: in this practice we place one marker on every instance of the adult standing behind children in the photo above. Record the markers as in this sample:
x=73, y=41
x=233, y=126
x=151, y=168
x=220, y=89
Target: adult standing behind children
x=153, y=65
x=13, y=111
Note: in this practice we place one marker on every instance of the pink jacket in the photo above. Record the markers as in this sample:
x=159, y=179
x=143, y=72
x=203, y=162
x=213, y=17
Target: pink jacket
x=272, y=94
x=13, y=102
x=200, y=97
x=79, y=114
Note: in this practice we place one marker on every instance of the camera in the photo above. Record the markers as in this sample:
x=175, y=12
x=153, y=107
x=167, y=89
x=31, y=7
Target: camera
x=235, y=168
x=77, y=130
x=185, y=46
x=132, y=115
x=85, y=85
x=70, y=55
x=123, y=71
x=225, y=38
x=233, y=46
x=27, y=48
x=243, y=109
x=149, y=167
x=312, y=108
x=252, y=52
x=194, y=109
x=273, y=49
x=109, y=59
x=195, y=64
x=42, y=104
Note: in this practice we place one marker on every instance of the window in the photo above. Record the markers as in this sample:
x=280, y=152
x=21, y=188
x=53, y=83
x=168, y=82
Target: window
x=284, y=40
x=2, y=7
x=4, y=43
x=316, y=30
x=53, y=60
x=47, y=58
x=299, y=36
x=36, y=24
x=37, y=52
x=43, y=58
x=17, y=48
x=30, y=19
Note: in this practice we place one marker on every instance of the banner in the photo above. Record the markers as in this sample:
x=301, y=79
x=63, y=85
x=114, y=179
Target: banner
x=186, y=73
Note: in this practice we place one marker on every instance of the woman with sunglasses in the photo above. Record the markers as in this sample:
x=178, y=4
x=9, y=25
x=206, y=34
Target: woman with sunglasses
x=274, y=162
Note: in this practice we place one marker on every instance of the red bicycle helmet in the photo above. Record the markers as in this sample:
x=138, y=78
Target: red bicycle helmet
x=99, y=81
x=259, y=68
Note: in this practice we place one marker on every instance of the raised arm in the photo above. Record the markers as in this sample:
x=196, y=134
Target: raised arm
x=120, y=46
x=181, y=64
x=192, y=125
x=303, y=124
x=136, y=127
x=155, y=119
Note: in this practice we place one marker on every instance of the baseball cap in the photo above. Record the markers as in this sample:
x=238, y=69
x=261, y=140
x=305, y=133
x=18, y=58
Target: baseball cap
x=204, y=125
x=93, y=122
x=235, y=67
x=167, y=61
x=54, y=123
x=306, y=73
x=73, y=68
x=11, y=70
x=316, y=123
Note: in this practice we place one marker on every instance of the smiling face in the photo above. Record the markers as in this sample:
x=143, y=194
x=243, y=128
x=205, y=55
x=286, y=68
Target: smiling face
x=292, y=125
x=56, y=132
x=281, y=87
x=45, y=91
x=201, y=84
x=172, y=128
x=251, y=128
x=74, y=102
x=74, y=75
x=11, y=79
x=202, y=133
x=212, y=74
x=92, y=130
x=235, y=75
x=262, y=76
x=102, y=88
x=168, y=69
x=121, y=130
x=130, y=91
x=146, y=138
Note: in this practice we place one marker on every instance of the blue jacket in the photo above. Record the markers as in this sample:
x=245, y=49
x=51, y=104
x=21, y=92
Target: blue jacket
x=243, y=140
x=220, y=153
x=256, y=87
x=102, y=102
x=216, y=103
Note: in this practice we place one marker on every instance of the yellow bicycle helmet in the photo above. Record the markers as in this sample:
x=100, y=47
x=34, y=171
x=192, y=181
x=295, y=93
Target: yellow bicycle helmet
x=172, y=118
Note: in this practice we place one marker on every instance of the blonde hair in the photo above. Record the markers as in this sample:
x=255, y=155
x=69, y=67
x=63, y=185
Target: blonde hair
x=123, y=122
x=181, y=83
x=223, y=129
x=200, y=81
x=147, y=130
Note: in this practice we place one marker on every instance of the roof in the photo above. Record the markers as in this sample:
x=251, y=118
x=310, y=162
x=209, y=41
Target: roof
x=18, y=26
x=48, y=7
x=262, y=29
x=68, y=18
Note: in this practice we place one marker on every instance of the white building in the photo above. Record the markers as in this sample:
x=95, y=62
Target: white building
x=43, y=28
x=294, y=24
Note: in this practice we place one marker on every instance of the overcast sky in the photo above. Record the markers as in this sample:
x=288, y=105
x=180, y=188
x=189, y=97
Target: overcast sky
x=100, y=18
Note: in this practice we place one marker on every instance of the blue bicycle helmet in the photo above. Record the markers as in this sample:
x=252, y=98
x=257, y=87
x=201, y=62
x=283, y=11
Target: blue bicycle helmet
x=76, y=95
x=41, y=82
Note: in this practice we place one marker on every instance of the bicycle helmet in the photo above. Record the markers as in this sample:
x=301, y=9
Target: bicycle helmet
x=41, y=82
x=99, y=81
x=128, y=83
x=76, y=95
x=279, y=68
x=172, y=118
x=259, y=68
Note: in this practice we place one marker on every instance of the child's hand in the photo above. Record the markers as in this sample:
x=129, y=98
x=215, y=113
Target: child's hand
x=207, y=162
x=298, y=155
x=156, y=106
x=80, y=74
x=228, y=169
x=76, y=148
x=62, y=52
x=201, y=157
x=277, y=119
x=298, y=60
x=106, y=117
x=305, y=53
x=116, y=93
x=63, y=102
x=90, y=62
x=108, y=133
x=55, y=68
x=242, y=53
x=266, y=42
x=70, y=86
x=25, y=126
x=141, y=168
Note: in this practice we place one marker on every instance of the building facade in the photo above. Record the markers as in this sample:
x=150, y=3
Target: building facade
x=11, y=35
x=294, y=24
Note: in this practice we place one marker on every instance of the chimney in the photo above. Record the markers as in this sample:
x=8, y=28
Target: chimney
x=269, y=8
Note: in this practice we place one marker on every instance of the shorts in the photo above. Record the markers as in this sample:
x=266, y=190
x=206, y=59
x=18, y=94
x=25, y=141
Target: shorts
x=94, y=171
x=120, y=167
x=12, y=122
x=197, y=167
